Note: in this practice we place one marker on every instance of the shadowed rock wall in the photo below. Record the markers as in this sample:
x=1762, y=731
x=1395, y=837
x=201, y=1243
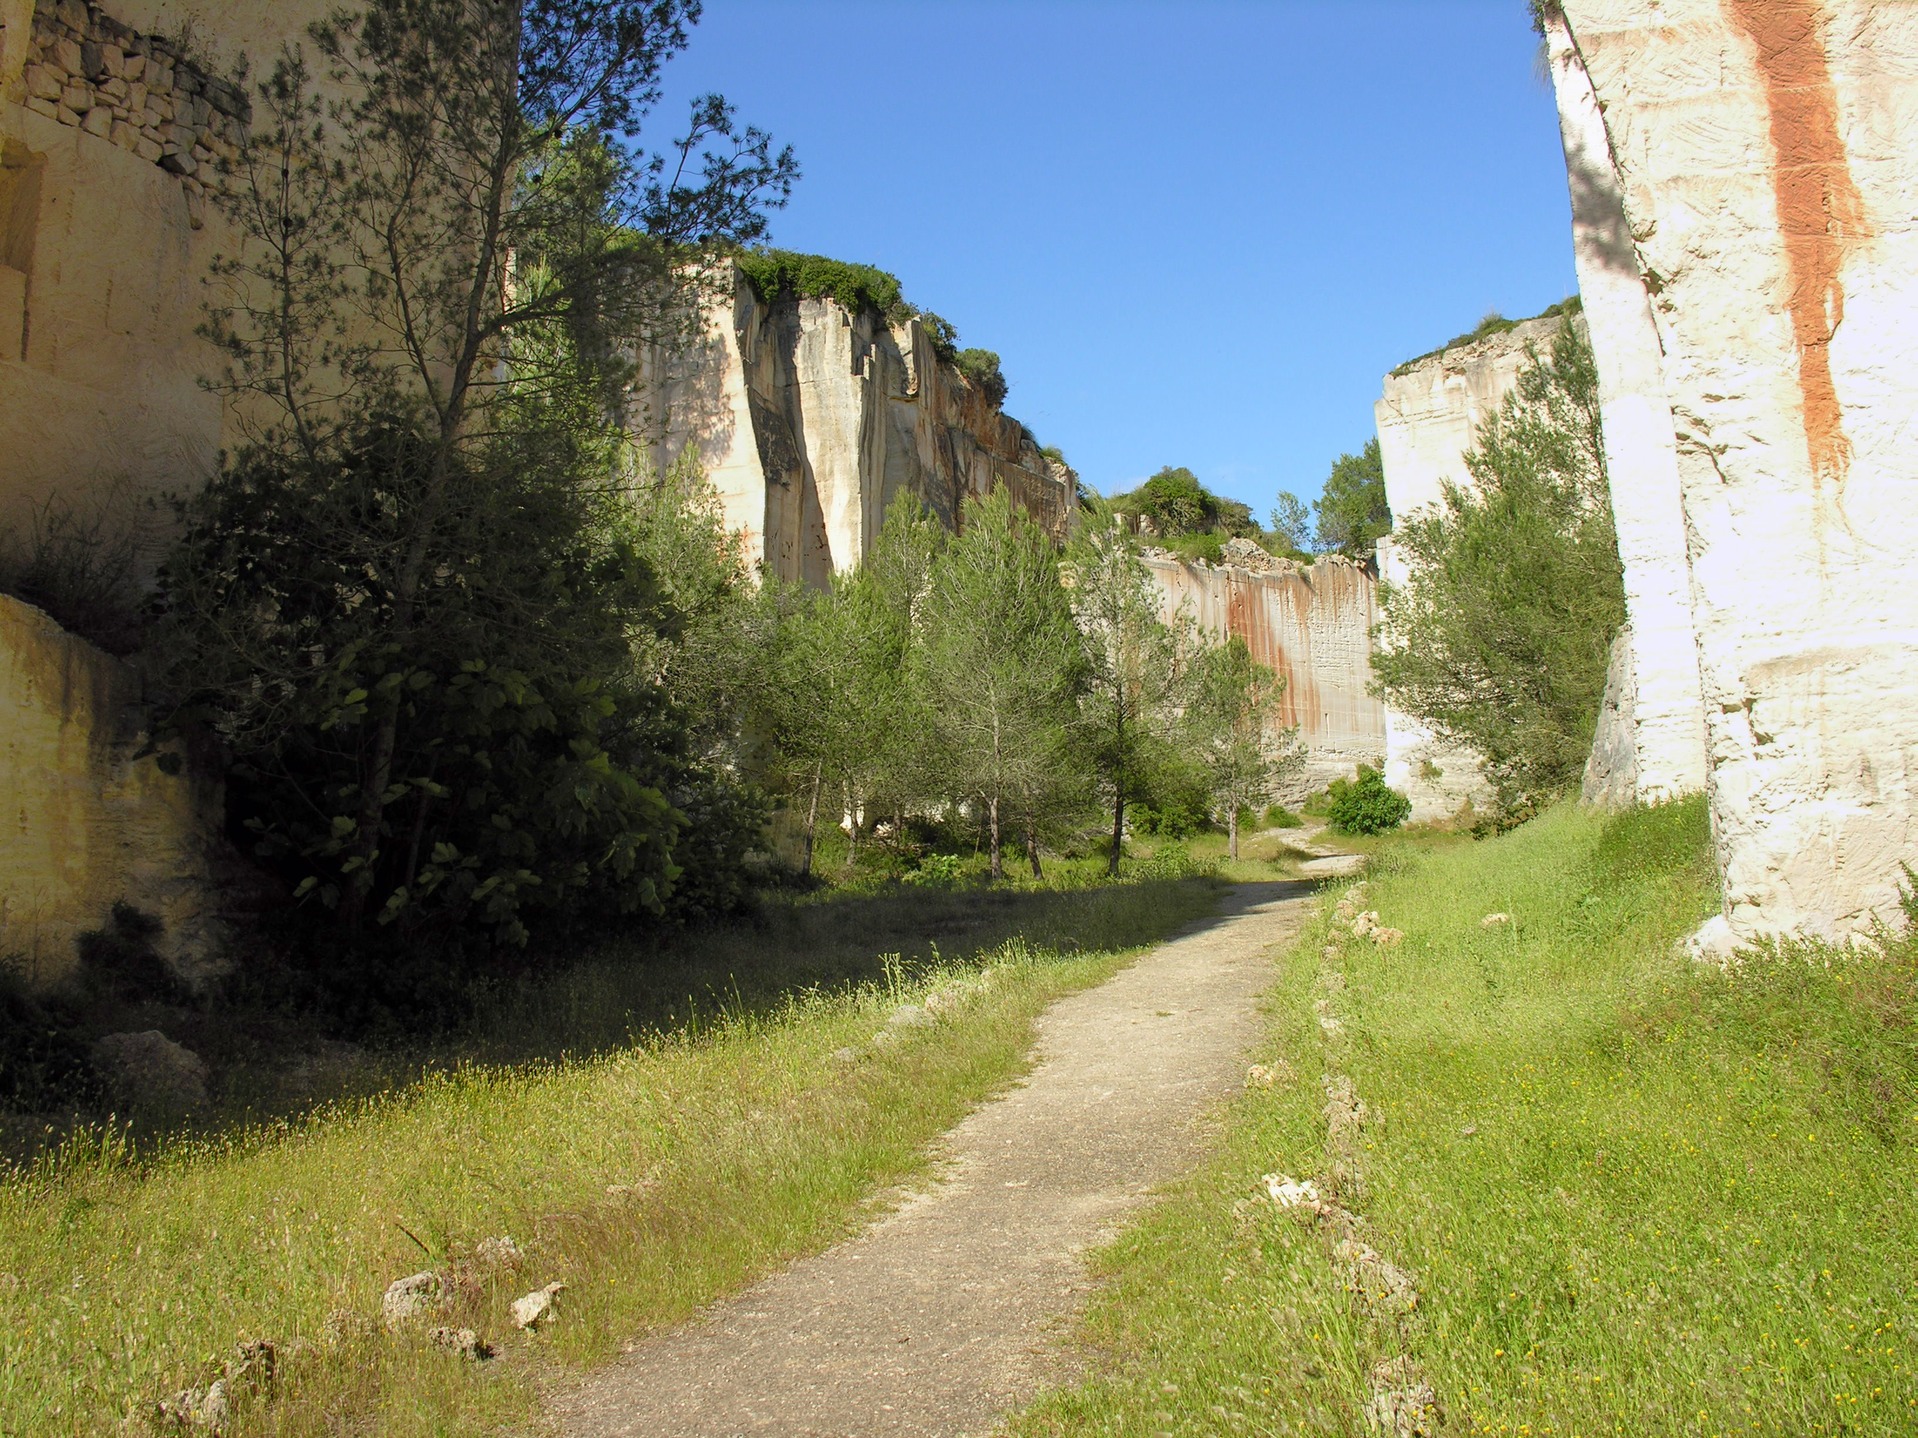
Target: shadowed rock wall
x=88, y=822
x=1313, y=625
x=810, y=421
x=1761, y=155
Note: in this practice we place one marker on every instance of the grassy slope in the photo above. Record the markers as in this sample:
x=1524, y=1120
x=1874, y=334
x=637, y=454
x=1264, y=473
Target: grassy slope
x=750, y=1143
x=1638, y=1197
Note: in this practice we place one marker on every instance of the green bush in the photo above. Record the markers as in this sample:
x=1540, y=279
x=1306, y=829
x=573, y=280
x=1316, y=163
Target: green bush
x=982, y=368
x=1277, y=816
x=433, y=780
x=774, y=274
x=1365, y=805
x=936, y=871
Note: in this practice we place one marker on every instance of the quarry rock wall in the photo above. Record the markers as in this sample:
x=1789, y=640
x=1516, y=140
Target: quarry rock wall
x=810, y=421
x=1312, y=624
x=1667, y=707
x=1428, y=419
x=90, y=818
x=1763, y=156
x=111, y=119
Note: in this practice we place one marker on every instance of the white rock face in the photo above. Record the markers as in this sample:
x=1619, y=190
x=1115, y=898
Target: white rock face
x=1428, y=419
x=1770, y=190
x=810, y=421
x=1667, y=707
x=1311, y=624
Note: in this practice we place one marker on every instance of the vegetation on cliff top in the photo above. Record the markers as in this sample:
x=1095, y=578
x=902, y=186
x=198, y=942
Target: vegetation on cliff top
x=856, y=288
x=1494, y=323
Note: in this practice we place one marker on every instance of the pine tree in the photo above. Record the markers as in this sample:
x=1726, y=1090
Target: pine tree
x=998, y=668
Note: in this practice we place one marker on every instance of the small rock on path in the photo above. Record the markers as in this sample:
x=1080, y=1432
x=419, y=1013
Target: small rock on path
x=947, y=1312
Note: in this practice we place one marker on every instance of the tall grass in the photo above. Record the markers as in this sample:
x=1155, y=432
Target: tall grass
x=1639, y=1197
x=649, y=1177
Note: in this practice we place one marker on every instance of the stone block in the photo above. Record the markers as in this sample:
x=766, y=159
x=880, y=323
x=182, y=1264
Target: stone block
x=43, y=107
x=134, y=67
x=67, y=116
x=77, y=98
x=148, y=149
x=98, y=121
x=124, y=135
x=177, y=161
x=43, y=83
x=66, y=56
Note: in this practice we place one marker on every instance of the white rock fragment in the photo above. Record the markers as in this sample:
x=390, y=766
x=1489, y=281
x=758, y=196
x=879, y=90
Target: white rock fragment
x=536, y=1307
x=1289, y=1192
x=1493, y=921
x=406, y=1298
x=462, y=1341
x=499, y=1253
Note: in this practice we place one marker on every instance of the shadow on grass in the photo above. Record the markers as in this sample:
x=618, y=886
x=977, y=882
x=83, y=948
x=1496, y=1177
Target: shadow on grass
x=648, y=989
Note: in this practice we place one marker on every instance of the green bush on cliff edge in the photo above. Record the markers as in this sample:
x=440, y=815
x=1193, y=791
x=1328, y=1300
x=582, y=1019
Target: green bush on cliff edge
x=775, y=273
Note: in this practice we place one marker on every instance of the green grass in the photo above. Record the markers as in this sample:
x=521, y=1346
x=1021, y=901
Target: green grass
x=745, y=1140
x=1639, y=1197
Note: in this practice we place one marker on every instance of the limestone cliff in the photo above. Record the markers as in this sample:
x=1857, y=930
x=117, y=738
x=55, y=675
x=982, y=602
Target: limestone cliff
x=1312, y=624
x=810, y=420
x=1747, y=201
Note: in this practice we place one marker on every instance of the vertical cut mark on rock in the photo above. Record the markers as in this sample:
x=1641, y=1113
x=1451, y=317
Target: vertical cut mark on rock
x=1818, y=204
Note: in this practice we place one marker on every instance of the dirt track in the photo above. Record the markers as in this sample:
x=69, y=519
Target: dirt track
x=948, y=1311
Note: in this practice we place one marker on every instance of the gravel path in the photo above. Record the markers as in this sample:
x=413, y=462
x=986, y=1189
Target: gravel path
x=947, y=1312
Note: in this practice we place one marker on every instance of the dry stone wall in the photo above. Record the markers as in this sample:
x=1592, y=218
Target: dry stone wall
x=88, y=70
x=810, y=421
x=1312, y=624
x=1760, y=156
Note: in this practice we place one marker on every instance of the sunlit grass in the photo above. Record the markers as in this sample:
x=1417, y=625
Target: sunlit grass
x=1639, y=1197
x=736, y=1142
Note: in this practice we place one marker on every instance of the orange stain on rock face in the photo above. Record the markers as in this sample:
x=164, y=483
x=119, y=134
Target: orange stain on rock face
x=1818, y=204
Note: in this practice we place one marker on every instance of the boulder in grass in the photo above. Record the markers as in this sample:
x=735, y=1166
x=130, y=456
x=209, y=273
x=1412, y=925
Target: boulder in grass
x=407, y=1298
x=535, y=1308
x=150, y=1071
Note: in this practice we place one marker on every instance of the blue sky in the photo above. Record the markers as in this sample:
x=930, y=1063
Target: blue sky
x=1197, y=233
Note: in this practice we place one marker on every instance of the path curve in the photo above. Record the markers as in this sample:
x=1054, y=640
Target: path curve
x=947, y=1312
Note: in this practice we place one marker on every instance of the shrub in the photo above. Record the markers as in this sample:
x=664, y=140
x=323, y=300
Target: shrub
x=1277, y=816
x=942, y=334
x=935, y=871
x=441, y=775
x=81, y=566
x=982, y=368
x=774, y=274
x=1365, y=805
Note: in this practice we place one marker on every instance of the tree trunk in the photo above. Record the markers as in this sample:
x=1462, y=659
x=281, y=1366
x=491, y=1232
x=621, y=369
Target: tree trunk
x=812, y=823
x=852, y=830
x=1118, y=803
x=1032, y=848
x=998, y=859
x=1232, y=832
